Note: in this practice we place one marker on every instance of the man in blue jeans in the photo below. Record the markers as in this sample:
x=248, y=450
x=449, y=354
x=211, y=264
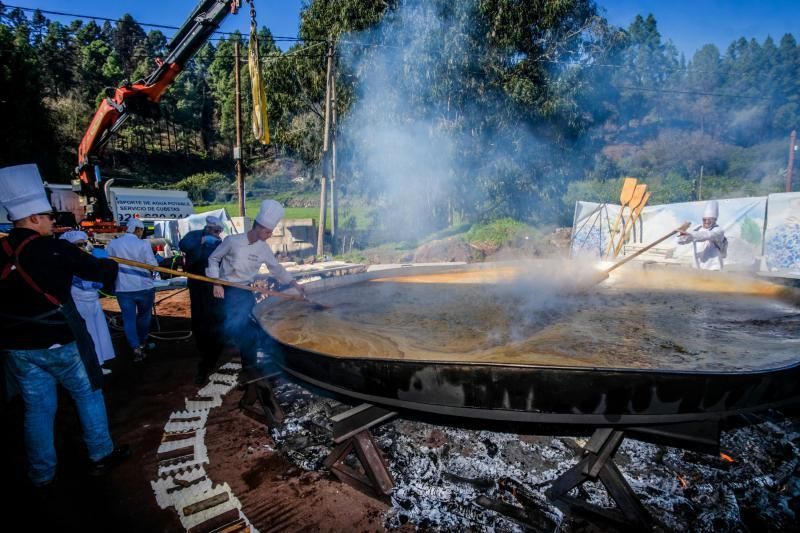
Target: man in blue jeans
x=134, y=288
x=39, y=325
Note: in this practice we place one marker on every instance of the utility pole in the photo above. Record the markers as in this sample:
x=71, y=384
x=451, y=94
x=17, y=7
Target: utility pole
x=333, y=164
x=700, y=185
x=325, y=154
x=237, y=150
x=790, y=168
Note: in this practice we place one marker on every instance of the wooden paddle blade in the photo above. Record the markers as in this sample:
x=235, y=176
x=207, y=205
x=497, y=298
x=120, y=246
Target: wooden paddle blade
x=631, y=223
x=628, y=187
x=638, y=194
x=640, y=207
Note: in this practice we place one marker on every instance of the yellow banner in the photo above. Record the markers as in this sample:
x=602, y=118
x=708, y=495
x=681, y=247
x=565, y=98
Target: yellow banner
x=258, y=90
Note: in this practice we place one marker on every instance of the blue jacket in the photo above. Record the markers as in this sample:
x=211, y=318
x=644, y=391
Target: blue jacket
x=197, y=249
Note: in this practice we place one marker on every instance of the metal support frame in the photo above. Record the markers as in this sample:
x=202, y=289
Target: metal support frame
x=351, y=433
x=598, y=464
x=259, y=400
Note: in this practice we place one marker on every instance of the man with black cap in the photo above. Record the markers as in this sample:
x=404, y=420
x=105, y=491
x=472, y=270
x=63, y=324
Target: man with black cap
x=40, y=326
x=197, y=246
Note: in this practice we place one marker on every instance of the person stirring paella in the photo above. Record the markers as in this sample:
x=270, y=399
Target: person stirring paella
x=710, y=255
x=239, y=259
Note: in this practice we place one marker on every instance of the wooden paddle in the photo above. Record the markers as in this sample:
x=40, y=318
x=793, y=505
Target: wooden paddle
x=604, y=274
x=215, y=281
x=637, y=211
x=625, y=196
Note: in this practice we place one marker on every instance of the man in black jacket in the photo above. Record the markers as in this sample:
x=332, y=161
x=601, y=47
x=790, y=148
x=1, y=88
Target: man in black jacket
x=40, y=324
x=196, y=246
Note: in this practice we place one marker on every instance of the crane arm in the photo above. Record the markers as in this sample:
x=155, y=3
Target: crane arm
x=142, y=97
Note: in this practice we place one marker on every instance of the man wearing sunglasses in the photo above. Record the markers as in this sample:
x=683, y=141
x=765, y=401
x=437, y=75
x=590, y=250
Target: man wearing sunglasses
x=197, y=246
x=40, y=327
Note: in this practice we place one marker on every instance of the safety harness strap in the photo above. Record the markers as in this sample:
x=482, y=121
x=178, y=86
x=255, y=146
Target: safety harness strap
x=13, y=255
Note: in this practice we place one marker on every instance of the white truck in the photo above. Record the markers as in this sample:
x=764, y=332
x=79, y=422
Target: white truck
x=147, y=205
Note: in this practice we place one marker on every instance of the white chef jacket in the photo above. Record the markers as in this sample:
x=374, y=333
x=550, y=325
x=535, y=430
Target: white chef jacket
x=707, y=253
x=237, y=260
x=84, y=294
x=129, y=246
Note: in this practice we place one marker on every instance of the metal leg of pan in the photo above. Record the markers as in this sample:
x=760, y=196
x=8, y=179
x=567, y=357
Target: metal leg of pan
x=597, y=464
x=259, y=401
x=351, y=433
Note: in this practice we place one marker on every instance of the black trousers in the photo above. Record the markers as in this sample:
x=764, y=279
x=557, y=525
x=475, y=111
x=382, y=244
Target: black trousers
x=240, y=328
x=206, y=324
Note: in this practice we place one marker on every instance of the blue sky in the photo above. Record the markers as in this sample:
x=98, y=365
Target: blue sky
x=688, y=23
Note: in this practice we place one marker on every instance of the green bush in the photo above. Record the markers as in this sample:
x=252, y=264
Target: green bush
x=670, y=189
x=600, y=191
x=496, y=233
x=204, y=187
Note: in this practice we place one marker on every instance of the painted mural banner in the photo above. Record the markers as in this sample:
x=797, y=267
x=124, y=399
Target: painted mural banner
x=743, y=220
x=591, y=229
x=782, y=236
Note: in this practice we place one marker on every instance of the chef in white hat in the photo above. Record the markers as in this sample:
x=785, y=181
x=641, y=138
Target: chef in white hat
x=239, y=259
x=709, y=241
x=197, y=246
x=135, y=289
x=40, y=329
x=84, y=294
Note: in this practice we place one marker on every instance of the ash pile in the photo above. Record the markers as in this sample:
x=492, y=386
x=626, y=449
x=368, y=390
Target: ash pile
x=448, y=478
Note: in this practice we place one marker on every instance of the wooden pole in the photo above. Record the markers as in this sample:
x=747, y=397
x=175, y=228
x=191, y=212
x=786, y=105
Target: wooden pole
x=334, y=213
x=199, y=277
x=790, y=168
x=604, y=274
x=237, y=150
x=325, y=155
x=700, y=185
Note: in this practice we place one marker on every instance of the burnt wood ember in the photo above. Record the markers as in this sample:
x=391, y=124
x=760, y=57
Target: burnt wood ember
x=440, y=473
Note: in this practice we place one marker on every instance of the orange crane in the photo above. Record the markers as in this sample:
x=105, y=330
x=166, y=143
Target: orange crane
x=140, y=98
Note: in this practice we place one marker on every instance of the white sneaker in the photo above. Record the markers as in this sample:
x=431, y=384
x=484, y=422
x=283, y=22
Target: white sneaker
x=106, y=371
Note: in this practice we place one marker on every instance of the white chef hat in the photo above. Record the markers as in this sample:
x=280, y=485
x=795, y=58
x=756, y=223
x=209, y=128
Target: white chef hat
x=270, y=214
x=712, y=210
x=213, y=222
x=22, y=192
x=134, y=224
x=75, y=236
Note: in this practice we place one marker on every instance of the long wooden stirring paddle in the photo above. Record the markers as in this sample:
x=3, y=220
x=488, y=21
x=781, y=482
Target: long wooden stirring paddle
x=602, y=276
x=216, y=281
x=625, y=196
x=637, y=211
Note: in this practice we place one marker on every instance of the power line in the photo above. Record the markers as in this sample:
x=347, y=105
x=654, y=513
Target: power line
x=145, y=24
x=283, y=38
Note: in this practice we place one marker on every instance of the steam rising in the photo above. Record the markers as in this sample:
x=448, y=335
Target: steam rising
x=422, y=147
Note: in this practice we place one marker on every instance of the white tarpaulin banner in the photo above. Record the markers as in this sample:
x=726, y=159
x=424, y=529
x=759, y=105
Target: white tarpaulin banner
x=198, y=221
x=782, y=239
x=741, y=218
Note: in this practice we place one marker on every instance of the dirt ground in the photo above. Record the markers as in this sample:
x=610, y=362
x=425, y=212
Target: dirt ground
x=276, y=496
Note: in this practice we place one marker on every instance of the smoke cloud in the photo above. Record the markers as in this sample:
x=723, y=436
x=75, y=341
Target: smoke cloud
x=416, y=139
